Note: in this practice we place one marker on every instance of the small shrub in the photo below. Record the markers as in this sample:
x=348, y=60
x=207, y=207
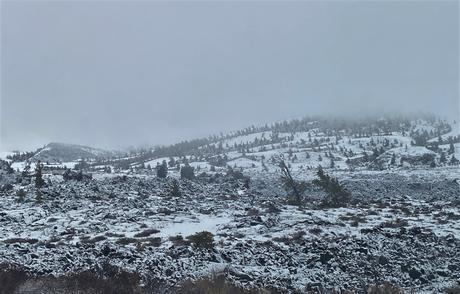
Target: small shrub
x=110, y=234
x=298, y=235
x=372, y=212
x=283, y=239
x=103, y=279
x=252, y=212
x=178, y=240
x=202, y=240
x=146, y=233
x=126, y=241
x=38, y=196
x=11, y=276
x=21, y=194
x=217, y=283
x=20, y=240
x=175, y=189
x=272, y=208
x=385, y=288
x=397, y=223
x=453, y=289
x=93, y=240
x=152, y=241
x=315, y=231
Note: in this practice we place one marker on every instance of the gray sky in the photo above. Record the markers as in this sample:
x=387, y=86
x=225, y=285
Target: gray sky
x=113, y=74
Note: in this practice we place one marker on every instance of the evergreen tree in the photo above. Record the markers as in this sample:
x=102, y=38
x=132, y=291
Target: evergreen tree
x=162, y=170
x=451, y=148
x=175, y=189
x=39, y=182
x=443, y=158
x=366, y=157
x=187, y=172
x=38, y=196
x=67, y=175
x=79, y=176
x=25, y=172
x=337, y=196
x=171, y=162
x=393, y=159
x=21, y=195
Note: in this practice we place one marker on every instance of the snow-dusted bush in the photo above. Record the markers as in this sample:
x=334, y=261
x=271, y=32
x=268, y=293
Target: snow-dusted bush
x=203, y=240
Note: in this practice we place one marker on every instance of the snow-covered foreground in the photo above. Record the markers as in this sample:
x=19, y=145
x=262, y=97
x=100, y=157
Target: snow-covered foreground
x=405, y=233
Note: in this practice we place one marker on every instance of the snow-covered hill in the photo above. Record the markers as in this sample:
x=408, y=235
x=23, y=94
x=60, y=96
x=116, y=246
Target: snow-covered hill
x=61, y=152
x=306, y=144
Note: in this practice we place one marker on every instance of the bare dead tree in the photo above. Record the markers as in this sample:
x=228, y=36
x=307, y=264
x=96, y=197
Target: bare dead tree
x=295, y=188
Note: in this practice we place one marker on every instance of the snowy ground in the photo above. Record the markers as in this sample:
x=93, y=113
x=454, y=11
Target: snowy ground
x=404, y=234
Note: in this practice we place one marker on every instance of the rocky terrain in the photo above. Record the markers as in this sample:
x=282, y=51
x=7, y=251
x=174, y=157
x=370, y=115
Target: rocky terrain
x=402, y=233
x=221, y=208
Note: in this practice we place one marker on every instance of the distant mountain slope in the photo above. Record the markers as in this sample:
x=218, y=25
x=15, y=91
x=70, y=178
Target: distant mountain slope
x=376, y=143
x=61, y=152
x=340, y=144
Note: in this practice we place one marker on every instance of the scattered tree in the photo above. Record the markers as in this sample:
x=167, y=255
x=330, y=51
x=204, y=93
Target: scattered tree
x=187, y=172
x=38, y=196
x=175, y=189
x=39, y=182
x=451, y=148
x=337, y=195
x=443, y=158
x=21, y=194
x=294, y=188
x=162, y=170
x=393, y=159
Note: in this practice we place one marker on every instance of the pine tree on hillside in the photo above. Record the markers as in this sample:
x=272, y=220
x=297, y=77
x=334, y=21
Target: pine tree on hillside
x=332, y=163
x=443, y=158
x=393, y=159
x=451, y=148
x=175, y=189
x=39, y=182
x=365, y=157
x=187, y=172
x=162, y=170
x=171, y=162
x=337, y=196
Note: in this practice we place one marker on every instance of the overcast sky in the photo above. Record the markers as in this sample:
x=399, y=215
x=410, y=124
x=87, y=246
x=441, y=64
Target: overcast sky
x=119, y=73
